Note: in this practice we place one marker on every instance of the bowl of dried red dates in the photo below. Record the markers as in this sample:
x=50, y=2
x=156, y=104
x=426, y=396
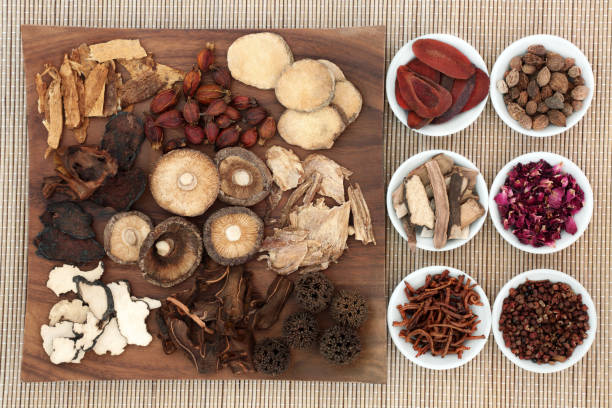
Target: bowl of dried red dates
x=544, y=320
x=437, y=84
x=541, y=85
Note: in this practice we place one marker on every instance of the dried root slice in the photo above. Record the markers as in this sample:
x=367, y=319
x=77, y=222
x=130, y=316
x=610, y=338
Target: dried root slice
x=333, y=175
x=347, y=100
x=335, y=70
x=305, y=86
x=71, y=310
x=97, y=296
x=311, y=131
x=362, y=220
x=52, y=332
x=65, y=351
x=131, y=315
x=61, y=278
x=116, y=49
x=88, y=332
x=441, y=200
x=259, y=59
x=111, y=340
x=418, y=203
x=287, y=169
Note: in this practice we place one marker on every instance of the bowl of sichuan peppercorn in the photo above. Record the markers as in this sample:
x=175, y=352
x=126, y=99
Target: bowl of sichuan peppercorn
x=437, y=84
x=541, y=85
x=544, y=320
x=541, y=202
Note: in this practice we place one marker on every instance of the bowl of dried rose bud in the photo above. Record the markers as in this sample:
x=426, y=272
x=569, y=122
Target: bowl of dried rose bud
x=541, y=202
x=541, y=85
x=544, y=320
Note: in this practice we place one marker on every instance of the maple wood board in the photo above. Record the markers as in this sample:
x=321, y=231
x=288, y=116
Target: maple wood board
x=360, y=53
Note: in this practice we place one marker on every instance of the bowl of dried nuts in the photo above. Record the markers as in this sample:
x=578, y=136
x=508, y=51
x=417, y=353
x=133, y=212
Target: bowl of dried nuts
x=541, y=85
x=544, y=320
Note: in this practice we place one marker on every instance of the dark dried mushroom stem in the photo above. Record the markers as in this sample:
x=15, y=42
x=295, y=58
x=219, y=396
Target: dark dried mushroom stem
x=278, y=293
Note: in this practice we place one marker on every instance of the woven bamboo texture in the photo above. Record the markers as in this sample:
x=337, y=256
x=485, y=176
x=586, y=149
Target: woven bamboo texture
x=490, y=380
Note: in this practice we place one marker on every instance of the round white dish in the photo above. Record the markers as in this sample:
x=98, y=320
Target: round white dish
x=459, y=122
x=553, y=276
x=414, y=162
x=417, y=279
x=582, y=217
x=552, y=43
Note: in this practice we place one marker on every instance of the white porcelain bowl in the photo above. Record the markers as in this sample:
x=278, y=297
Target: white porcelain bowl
x=553, y=276
x=417, y=279
x=582, y=217
x=414, y=162
x=552, y=43
x=459, y=122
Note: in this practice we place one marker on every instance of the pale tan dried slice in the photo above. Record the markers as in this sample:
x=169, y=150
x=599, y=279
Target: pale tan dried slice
x=146, y=79
x=347, y=100
x=80, y=133
x=111, y=92
x=94, y=91
x=313, y=130
x=115, y=49
x=168, y=75
x=72, y=116
x=471, y=210
x=332, y=184
x=418, y=203
x=41, y=90
x=305, y=86
x=287, y=169
x=335, y=70
x=362, y=221
x=259, y=59
x=51, y=106
x=79, y=59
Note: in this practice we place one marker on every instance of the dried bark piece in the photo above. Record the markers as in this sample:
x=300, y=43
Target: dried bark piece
x=442, y=205
x=446, y=165
x=332, y=184
x=116, y=49
x=362, y=221
x=287, y=169
x=70, y=95
x=471, y=210
x=278, y=293
x=418, y=203
x=454, y=201
x=112, y=104
x=94, y=90
x=51, y=106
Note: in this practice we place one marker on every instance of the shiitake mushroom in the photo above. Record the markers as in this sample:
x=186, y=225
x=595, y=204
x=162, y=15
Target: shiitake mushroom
x=245, y=178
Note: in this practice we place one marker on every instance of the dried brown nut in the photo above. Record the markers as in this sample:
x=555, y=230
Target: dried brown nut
x=531, y=107
x=580, y=93
x=569, y=62
x=163, y=101
x=232, y=113
x=514, y=93
x=522, y=99
x=578, y=81
x=194, y=134
x=174, y=144
x=212, y=131
x=210, y=92
x=554, y=61
x=515, y=111
x=537, y=49
x=248, y=138
x=567, y=109
x=507, y=98
x=556, y=117
x=555, y=101
x=543, y=76
x=528, y=69
x=222, y=76
x=255, y=115
x=216, y=108
x=525, y=121
x=523, y=81
x=191, y=111
x=170, y=119
x=542, y=108
x=206, y=57
x=223, y=121
x=533, y=90
x=513, y=78
x=241, y=102
x=267, y=130
x=154, y=133
x=228, y=137
x=532, y=59
x=502, y=86
x=558, y=82
x=576, y=105
x=516, y=63
x=192, y=82
x=540, y=122
x=546, y=92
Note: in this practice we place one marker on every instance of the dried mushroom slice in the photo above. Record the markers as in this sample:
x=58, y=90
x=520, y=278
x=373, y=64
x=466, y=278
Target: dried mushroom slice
x=124, y=234
x=61, y=278
x=68, y=217
x=123, y=135
x=245, y=179
x=51, y=332
x=311, y=131
x=305, y=86
x=259, y=59
x=88, y=332
x=185, y=182
x=233, y=235
x=171, y=252
x=71, y=310
x=347, y=100
x=97, y=296
x=335, y=70
x=111, y=340
x=131, y=316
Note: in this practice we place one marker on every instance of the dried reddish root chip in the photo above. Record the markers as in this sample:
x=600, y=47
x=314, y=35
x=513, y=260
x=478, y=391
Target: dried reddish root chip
x=481, y=90
x=418, y=66
x=426, y=98
x=443, y=57
x=462, y=89
x=398, y=97
x=447, y=82
x=417, y=122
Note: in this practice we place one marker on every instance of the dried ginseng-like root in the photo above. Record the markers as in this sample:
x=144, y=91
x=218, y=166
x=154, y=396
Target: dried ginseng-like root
x=347, y=100
x=311, y=131
x=336, y=71
x=305, y=86
x=258, y=59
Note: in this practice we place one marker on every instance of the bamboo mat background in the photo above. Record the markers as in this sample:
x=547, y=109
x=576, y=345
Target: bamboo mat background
x=488, y=381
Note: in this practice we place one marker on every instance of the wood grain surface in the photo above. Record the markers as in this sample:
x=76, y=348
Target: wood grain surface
x=360, y=53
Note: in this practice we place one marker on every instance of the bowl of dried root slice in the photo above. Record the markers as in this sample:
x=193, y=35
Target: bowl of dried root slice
x=439, y=317
x=437, y=200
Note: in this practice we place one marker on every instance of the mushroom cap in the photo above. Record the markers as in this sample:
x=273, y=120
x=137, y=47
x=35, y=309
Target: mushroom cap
x=185, y=182
x=124, y=234
x=171, y=252
x=245, y=178
x=232, y=235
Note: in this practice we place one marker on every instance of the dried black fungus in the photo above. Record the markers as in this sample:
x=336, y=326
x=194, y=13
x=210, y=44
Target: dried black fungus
x=340, y=345
x=301, y=330
x=271, y=356
x=122, y=138
x=314, y=291
x=349, y=308
x=122, y=191
x=69, y=218
x=54, y=245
